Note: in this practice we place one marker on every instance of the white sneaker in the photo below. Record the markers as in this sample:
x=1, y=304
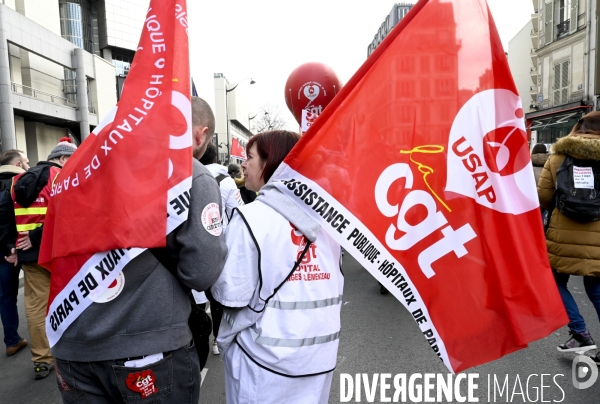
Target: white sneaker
x=215, y=348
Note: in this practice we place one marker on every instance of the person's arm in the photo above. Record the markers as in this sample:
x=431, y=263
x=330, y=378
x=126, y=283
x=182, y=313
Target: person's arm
x=546, y=184
x=35, y=236
x=239, y=279
x=8, y=227
x=203, y=249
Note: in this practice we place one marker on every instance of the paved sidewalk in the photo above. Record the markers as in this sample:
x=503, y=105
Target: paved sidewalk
x=17, y=385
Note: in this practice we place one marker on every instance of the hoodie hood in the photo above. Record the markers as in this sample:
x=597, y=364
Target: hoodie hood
x=273, y=197
x=579, y=146
x=217, y=169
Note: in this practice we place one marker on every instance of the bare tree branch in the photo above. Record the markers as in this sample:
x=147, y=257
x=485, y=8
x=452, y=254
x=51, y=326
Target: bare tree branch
x=269, y=118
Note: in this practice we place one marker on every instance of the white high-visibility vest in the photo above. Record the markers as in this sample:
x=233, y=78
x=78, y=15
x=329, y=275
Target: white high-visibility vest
x=292, y=324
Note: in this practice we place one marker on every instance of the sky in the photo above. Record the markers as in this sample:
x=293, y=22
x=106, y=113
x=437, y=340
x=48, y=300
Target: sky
x=267, y=39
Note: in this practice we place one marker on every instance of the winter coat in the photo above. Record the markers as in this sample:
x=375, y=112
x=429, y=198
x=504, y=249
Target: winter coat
x=538, y=160
x=573, y=247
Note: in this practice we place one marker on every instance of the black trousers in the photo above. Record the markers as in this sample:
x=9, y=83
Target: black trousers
x=216, y=312
x=175, y=379
x=200, y=325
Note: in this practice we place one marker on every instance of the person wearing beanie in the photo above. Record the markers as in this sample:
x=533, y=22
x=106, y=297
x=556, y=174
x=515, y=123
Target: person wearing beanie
x=64, y=148
x=30, y=194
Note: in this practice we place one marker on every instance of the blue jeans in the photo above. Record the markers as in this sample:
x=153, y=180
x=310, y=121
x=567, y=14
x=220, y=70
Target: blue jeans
x=176, y=379
x=9, y=287
x=592, y=289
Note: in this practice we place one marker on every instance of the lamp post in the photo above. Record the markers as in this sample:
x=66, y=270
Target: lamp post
x=227, y=91
x=249, y=119
x=268, y=118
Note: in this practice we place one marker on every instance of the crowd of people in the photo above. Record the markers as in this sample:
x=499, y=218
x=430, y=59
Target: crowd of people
x=278, y=334
x=274, y=334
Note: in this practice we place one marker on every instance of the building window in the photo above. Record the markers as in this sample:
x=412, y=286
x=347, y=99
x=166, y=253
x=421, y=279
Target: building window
x=76, y=23
x=563, y=27
x=563, y=10
x=561, y=83
x=122, y=61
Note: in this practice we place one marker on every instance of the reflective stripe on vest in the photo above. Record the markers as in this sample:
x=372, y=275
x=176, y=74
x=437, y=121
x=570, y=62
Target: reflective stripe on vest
x=293, y=342
x=32, y=217
x=298, y=326
x=30, y=211
x=27, y=227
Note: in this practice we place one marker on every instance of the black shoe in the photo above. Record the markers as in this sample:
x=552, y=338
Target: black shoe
x=579, y=342
x=42, y=370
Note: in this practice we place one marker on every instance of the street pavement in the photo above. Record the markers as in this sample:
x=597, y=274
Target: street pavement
x=378, y=336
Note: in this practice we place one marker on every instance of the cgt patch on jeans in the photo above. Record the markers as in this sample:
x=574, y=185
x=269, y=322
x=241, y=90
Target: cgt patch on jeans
x=142, y=382
x=62, y=384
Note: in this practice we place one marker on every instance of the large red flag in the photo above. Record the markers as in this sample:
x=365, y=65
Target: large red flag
x=127, y=186
x=420, y=168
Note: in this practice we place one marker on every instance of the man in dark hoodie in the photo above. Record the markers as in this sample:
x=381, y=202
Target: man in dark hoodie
x=12, y=163
x=30, y=194
x=134, y=342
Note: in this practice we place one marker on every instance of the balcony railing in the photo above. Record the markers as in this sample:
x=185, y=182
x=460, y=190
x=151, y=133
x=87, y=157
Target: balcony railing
x=563, y=28
x=41, y=95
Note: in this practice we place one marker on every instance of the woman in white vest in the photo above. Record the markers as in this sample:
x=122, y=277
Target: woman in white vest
x=282, y=291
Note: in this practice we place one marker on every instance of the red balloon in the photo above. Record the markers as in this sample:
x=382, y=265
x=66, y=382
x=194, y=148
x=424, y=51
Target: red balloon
x=311, y=86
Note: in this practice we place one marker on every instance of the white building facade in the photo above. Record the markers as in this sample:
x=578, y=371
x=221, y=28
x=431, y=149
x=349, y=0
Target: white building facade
x=523, y=70
x=233, y=114
x=564, y=77
x=60, y=62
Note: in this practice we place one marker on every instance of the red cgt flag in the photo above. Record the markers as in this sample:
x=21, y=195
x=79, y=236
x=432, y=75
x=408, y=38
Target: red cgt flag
x=420, y=168
x=127, y=186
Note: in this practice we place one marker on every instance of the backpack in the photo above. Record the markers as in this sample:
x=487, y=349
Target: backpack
x=577, y=193
x=220, y=178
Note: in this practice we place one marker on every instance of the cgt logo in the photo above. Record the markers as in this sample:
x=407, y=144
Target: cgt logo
x=488, y=155
x=311, y=90
x=299, y=240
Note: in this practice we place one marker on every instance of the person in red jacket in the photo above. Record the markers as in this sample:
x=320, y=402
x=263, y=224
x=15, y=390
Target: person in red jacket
x=30, y=193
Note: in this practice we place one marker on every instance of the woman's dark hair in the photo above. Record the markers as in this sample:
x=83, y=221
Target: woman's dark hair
x=272, y=147
x=234, y=171
x=209, y=155
x=590, y=123
x=539, y=148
